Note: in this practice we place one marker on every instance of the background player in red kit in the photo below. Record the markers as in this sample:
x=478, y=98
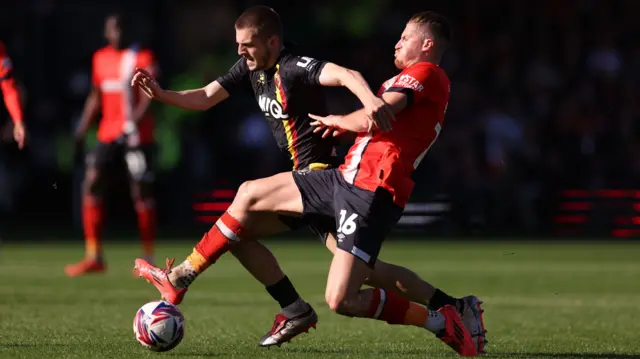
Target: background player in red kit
x=11, y=96
x=365, y=196
x=125, y=137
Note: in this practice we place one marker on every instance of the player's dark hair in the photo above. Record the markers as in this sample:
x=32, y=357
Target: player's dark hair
x=263, y=19
x=437, y=25
x=123, y=21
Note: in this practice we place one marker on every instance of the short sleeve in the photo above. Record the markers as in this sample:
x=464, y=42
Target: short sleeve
x=5, y=63
x=420, y=83
x=237, y=79
x=306, y=69
x=95, y=75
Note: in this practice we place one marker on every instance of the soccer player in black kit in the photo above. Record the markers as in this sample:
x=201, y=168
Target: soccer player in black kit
x=287, y=87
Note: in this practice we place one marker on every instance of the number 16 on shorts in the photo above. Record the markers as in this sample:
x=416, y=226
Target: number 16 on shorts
x=347, y=225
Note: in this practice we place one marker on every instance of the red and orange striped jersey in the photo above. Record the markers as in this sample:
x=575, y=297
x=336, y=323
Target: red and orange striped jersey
x=387, y=159
x=8, y=86
x=112, y=70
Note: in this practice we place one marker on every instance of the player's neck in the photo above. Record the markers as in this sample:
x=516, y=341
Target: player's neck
x=425, y=58
x=276, y=59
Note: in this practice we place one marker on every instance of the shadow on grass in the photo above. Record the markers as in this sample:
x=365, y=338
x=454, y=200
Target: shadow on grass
x=564, y=355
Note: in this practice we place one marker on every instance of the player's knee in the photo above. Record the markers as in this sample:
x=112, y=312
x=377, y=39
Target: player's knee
x=338, y=301
x=247, y=196
x=335, y=302
x=140, y=191
x=91, y=183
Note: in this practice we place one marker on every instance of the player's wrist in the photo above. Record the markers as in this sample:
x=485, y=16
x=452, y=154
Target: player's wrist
x=161, y=95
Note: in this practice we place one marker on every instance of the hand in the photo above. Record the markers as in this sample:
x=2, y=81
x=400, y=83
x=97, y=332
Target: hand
x=380, y=113
x=19, y=134
x=143, y=80
x=328, y=124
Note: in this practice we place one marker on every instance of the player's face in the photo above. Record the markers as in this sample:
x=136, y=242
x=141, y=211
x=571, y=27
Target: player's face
x=255, y=50
x=411, y=45
x=112, y=30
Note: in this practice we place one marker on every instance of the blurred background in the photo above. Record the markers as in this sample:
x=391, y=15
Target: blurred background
x=541, y=138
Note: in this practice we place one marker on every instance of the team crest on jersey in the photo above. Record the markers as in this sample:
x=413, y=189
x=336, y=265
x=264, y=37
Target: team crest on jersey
x=261, y=79
x=272, y=108
x=409, y=81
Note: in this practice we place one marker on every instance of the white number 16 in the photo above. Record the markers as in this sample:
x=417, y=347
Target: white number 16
x=347, y=226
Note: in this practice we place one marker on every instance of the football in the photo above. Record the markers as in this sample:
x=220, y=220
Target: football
x=159, y=326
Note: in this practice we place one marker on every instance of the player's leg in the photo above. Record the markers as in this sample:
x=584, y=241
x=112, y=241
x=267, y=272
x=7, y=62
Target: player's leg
x=363, y=219
x=410, y=285
x=296, y=315
x=139, y=163
x=245, y=219
x=93, y=186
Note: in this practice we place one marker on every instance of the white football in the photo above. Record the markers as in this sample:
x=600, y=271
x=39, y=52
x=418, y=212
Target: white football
x=159, y=326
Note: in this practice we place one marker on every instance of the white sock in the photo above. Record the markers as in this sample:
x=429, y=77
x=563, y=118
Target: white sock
x=435, y=322
x=183, y=275
x=296, y=308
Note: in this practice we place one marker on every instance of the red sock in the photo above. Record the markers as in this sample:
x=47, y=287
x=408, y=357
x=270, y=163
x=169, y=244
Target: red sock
x=394, y=309
x=92, y=223
x=147, y=225
x=216, y=242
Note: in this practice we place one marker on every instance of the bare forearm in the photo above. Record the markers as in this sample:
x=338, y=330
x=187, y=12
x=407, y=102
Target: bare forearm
x=188, y=99
x=91, y=107
x=356, y=121
x=12, y=99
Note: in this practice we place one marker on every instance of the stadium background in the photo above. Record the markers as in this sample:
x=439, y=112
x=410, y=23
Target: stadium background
x=541, y=136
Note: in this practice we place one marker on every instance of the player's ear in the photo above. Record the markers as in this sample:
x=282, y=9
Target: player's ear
x=273, y=41
x=427, y=45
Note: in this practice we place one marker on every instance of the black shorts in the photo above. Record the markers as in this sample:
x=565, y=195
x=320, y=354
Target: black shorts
x=138, y=161
x=362, y=218
x=321, y=225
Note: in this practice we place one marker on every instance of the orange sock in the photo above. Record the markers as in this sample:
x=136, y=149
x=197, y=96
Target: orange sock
x=92, y=223
x=216, y=242
x=394, y=309
x=147, y=225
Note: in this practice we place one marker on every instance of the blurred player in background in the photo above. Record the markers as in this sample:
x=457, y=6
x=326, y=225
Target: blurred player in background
x=287, y=87
x=125, y=137
x=11, y=95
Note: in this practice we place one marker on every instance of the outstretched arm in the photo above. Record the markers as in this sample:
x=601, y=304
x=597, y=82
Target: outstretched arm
x=198, y=99
x=374, y=107
x=357, y=121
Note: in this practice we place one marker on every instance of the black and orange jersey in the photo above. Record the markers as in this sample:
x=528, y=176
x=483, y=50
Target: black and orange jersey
x=286, y=94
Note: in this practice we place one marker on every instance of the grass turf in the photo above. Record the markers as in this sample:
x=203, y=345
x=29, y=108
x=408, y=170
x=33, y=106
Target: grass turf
x=542, y=300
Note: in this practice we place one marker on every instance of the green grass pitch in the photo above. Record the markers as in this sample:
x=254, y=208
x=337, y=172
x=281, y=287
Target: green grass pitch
x=542, y=300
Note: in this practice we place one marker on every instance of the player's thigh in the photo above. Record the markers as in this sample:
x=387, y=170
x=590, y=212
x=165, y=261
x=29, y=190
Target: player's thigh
x=98, y=164
x=289, y=193
x=140, y=169
x=272, y=194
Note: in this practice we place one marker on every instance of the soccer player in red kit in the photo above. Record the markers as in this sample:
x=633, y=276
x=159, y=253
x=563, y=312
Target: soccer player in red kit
x=365, y=196
x=125, y=137
x=11, y=96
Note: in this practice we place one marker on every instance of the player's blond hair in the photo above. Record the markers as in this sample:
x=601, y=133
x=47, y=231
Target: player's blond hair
x=437, y=25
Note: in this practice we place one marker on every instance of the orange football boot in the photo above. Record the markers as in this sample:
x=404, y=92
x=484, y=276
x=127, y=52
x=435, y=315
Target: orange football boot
x=160, y=279
x=85, y=266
